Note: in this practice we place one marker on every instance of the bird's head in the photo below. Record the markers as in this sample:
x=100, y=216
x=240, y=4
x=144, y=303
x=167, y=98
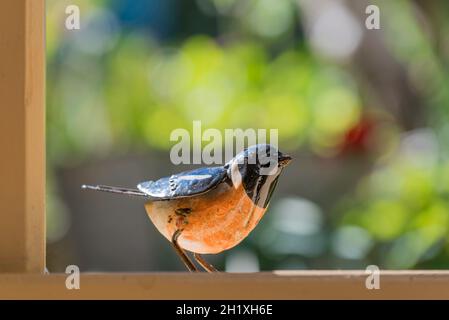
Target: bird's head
x=262, y=159
x=257, y=168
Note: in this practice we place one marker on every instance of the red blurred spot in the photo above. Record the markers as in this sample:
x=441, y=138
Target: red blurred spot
x=357, y=138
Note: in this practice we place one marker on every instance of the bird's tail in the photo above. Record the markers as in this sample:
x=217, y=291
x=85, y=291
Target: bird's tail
x=126, y=191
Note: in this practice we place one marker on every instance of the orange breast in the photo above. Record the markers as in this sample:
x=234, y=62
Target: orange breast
x=211, y=223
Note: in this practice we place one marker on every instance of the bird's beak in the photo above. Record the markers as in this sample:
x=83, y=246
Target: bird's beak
x=284, y=160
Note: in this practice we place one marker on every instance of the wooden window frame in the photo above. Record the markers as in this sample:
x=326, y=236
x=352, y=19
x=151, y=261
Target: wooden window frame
x=22, y=208
x=22, y=136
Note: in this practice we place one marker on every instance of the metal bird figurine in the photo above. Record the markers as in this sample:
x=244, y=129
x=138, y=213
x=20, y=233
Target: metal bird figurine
x=212, y=209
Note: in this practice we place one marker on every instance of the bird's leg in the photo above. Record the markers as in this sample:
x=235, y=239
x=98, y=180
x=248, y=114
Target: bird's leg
x=206, y=265
x=174, y=240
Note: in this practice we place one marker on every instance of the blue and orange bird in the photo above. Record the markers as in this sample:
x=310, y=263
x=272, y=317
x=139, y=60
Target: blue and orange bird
x=211, y=209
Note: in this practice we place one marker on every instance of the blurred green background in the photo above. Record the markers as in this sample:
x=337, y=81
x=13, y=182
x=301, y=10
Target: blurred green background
x=363, y=112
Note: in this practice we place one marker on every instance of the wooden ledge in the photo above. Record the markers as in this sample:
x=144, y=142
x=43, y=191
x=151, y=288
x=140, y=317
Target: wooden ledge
x=273, y=285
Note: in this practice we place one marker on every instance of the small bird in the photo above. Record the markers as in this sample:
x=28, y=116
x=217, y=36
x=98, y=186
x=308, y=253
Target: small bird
x=211, y=209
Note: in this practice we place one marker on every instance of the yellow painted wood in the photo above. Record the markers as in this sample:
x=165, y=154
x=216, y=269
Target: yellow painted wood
x=22, y=136
x=276, y=285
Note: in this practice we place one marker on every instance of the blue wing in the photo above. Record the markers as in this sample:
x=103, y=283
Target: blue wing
x=184, y=184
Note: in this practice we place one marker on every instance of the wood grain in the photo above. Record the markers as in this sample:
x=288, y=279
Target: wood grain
x=274, y=285
x=22, y=136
